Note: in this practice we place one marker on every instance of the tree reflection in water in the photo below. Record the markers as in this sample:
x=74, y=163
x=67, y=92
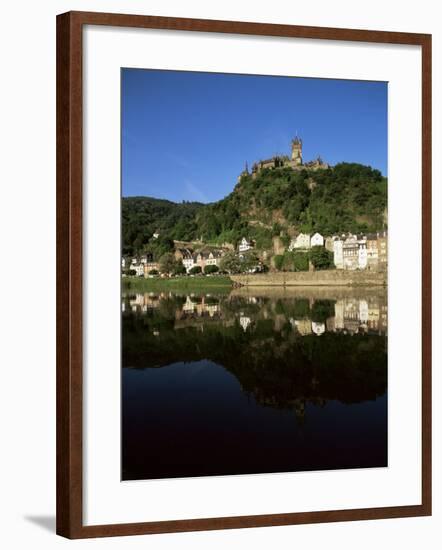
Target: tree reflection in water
x=287, y=350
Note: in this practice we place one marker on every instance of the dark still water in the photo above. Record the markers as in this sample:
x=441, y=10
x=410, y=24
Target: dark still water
x=257, y=381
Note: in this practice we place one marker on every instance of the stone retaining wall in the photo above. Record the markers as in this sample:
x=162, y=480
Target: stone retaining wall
x=313, y=278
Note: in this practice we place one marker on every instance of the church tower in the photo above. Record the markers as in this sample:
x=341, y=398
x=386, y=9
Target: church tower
x=297, y=150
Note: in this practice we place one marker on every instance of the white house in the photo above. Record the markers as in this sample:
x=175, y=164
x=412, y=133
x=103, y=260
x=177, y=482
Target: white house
x=214, y=257
x=139, y=269
x=207, y=257
x=362, y=254
x=245, y=245
x=317, y=240
x=188, y=263
x=187, y=258
x=300, y=241
x=351, y=252
x=146, y=259
x=338, y=256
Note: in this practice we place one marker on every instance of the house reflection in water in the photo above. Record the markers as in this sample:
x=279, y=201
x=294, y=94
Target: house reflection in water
x=254, y=380
x=350, y=315
x=356, y=315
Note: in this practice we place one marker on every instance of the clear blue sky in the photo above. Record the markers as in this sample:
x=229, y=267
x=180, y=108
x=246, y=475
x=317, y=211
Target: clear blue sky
x=187, y=135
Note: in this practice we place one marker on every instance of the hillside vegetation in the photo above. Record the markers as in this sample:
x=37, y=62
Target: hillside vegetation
x=143, y=216
x=346, y=197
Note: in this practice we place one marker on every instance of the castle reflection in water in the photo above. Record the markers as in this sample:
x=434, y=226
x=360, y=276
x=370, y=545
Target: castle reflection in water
x=254, y=380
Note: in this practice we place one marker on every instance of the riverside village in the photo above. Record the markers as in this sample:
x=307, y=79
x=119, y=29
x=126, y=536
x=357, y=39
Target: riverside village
x=290, y=251
x=253, y=276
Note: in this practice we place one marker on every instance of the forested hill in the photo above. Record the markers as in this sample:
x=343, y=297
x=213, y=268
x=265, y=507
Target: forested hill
x=346, y=197
x=143, y=216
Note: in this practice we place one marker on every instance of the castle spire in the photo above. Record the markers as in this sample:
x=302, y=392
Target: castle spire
x=297, y=150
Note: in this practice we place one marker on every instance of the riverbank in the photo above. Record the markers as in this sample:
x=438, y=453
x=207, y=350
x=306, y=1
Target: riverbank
x=312, y=278
x=178, y=284
x=218, y=283
x=311, y=292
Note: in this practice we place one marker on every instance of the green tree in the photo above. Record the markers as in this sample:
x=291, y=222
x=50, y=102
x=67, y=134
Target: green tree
x=168, y=263
x=285, y=239
x=287, y=264
x=300, y=261
x=321, y=258
x=347, y=197
x=230, y=263
x=249, y=261
x=179, y=269
x=195, y=270
x=208, y=269
x=278, y=261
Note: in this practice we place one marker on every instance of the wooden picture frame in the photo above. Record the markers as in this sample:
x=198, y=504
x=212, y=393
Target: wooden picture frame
x=70, y=269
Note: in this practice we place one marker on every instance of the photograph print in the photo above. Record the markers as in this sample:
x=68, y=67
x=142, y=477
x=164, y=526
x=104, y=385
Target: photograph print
x=254, y=256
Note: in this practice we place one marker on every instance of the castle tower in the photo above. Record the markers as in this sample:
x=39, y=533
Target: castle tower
x=297, y=150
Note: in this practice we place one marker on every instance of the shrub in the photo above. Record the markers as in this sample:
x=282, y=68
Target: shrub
x=230, y=263
x=249, y=261
x=321, y=258
x=287, y=264
x=211, y=269
x=278, y=260
x=195, y=270
x=168, y=263
x=300, y=261
x=179, y=269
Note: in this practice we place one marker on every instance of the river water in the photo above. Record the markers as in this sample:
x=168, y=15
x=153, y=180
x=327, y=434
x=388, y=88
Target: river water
x=253, y=381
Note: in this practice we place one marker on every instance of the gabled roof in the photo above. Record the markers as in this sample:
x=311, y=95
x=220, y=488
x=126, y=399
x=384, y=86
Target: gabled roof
x=186, y=253
x=205, y=253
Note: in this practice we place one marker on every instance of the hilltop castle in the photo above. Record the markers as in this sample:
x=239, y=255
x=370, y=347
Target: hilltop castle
x=284, y=161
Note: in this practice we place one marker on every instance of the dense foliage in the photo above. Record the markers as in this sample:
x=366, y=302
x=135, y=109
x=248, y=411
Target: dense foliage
x=333, y=367
x=143, y=216
x=321, y=258
x=208, y=269
x=292, y=261
x=167, y=262
x=195, y=270
x=346, y=197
